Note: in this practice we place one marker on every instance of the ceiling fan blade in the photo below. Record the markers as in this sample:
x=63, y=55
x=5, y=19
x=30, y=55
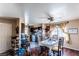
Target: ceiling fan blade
x=57, y=17
x=48, y=14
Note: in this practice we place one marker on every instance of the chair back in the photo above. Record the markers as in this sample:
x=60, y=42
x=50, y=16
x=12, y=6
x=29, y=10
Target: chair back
x=60, y=43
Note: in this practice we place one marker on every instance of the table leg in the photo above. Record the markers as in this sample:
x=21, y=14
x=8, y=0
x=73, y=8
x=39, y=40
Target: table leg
x=50, y=52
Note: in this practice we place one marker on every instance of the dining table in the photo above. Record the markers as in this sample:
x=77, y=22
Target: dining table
x=49, y=43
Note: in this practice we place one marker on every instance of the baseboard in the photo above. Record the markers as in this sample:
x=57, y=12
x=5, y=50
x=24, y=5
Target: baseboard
x=71, y=48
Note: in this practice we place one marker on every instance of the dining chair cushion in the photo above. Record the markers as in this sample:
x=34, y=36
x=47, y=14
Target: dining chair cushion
x=56, y=45
x=55, y=48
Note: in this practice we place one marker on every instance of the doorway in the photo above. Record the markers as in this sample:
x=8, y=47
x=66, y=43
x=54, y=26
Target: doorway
x=5, y=36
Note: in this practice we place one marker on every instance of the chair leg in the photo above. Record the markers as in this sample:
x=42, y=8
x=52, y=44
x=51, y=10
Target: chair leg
x=62, y=52
x=53, y=53
x=59, y=53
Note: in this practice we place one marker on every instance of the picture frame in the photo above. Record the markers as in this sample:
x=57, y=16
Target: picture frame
x=73, y=30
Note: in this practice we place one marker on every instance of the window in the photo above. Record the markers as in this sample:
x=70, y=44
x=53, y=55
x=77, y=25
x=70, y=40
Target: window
x=57, y=31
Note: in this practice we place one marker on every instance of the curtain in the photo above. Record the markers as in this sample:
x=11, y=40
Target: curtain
x=52, y=27
x=67, y=35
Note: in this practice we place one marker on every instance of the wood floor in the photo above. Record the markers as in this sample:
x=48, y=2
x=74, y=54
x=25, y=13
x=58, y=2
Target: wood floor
x=70, y=52
x=67, y=52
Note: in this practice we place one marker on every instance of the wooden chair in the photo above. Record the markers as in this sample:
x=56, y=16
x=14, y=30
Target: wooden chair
x=58, y=49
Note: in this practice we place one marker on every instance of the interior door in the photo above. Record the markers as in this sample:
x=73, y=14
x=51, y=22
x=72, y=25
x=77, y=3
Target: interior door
x=5, y=36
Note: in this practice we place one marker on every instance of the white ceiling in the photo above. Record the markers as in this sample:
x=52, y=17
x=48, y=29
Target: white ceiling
x=66, y=11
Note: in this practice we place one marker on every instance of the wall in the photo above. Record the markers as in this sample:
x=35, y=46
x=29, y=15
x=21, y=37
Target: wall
x=74, y=37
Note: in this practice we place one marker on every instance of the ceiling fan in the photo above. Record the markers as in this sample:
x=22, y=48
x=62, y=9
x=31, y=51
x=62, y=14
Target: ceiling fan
x=48, y=17
x=51, y=18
